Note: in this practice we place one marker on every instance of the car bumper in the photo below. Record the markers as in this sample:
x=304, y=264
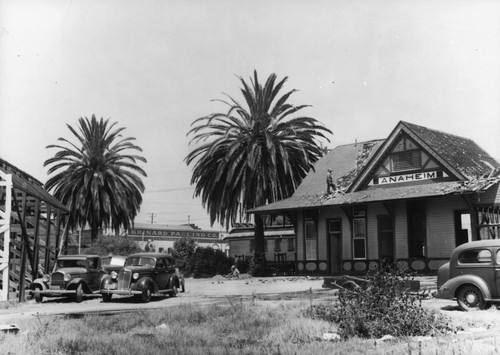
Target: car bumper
x=53, y=292
x=114, y=291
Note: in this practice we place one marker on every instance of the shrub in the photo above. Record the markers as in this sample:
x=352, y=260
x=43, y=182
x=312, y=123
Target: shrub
x=113, y=244
x=379, y=306
x=208, y=262
x=183, y=251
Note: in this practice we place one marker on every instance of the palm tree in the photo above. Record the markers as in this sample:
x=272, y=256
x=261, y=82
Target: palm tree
x=252, y=155
x=96, y=178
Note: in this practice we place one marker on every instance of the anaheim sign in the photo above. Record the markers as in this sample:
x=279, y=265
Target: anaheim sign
x=428, y=175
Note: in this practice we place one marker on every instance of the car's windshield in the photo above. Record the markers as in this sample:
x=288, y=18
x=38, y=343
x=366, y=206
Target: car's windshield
x=140, y=261
x=71, y=263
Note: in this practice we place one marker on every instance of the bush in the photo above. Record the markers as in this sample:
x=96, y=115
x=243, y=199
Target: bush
x=113, y=244
x=183, y=251
x=380, y=306
x=208, y=262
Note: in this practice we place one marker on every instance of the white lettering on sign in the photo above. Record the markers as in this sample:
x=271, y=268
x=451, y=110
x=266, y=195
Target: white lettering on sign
x=427, y=175
x=172, y=233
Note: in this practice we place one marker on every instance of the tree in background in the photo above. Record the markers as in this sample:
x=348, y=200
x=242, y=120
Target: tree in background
x=95, y=177
x=252, y=155
x=113, y=244
x=183, y=251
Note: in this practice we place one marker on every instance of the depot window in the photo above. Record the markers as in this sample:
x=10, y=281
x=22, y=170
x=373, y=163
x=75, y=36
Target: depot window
x=311, y=239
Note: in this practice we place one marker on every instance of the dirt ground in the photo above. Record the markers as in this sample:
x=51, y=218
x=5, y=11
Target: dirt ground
x=219, y=289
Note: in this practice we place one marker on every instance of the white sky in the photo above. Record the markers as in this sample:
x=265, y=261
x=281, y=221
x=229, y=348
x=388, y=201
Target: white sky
x=154, y=67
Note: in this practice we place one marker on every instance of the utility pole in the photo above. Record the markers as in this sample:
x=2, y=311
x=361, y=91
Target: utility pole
x=152, y=215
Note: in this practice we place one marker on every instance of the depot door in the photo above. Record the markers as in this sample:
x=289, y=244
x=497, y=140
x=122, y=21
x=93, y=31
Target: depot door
x=385, y=239
x=335, y=246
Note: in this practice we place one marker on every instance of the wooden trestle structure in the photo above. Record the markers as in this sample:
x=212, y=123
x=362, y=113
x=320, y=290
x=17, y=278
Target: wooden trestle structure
x=31, y=231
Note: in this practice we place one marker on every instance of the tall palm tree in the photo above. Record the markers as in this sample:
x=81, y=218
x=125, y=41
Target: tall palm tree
x=252, y=155
x=96, y=178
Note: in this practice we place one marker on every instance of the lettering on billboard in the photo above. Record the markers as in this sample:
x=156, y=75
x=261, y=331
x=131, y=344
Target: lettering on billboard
x=172, y=233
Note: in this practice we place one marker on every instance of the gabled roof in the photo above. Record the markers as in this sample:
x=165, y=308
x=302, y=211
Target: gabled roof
x=353, y=164
x=461, y=156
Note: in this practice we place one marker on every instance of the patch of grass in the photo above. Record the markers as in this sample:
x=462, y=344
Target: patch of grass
x=9, y=304
x=253, y=327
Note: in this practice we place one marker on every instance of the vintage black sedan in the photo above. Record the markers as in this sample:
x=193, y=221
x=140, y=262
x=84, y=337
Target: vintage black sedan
x=74, y=276
x=472, y=277
x=143, y=276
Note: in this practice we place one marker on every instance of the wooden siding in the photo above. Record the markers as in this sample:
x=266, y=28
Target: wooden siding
x=491, y=196
x=441, y=225
x=239, y=247
x=400, y=230
x=374, y=210
x=335, y=213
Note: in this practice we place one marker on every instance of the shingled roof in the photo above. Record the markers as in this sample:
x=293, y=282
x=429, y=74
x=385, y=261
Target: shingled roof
x=352, y=164
x=463, y=154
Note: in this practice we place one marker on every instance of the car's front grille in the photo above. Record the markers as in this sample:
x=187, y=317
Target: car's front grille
x=124, y=279
x=57, y=279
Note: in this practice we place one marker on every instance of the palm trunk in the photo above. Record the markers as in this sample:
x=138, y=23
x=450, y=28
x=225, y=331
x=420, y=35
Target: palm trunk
x=260, y=255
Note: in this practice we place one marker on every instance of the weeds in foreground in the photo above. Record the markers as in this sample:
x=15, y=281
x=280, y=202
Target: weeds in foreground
x=251, y=327
x=382, y=305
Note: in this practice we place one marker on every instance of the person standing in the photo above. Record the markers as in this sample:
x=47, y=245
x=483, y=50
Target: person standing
x=330, y=186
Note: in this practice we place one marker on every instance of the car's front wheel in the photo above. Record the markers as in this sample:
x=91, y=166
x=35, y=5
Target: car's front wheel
x=174, y=291
x=106, y=297
x=146, y=294
x=38, y=296
x=470, y=298
x=79, y=293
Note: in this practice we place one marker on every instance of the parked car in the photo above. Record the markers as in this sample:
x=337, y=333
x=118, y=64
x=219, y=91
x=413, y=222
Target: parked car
x=144, y=275
x=112, y=262
x=74, y=275
x=472, y=276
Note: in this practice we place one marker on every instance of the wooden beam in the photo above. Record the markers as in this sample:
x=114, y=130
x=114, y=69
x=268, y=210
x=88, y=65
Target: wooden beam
x=36, y=240
x=47, y=239
x=25, y=249
x=24, y=233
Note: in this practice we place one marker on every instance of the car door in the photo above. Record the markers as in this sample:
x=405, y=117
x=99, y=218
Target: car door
x=478, y=262
x=93, y=273
x=497, y=273
x=160, y=274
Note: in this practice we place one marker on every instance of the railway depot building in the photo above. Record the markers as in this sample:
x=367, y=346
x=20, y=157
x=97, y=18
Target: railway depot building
x=409, y=199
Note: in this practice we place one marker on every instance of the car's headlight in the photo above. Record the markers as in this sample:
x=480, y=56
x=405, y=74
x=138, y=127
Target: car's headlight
x=46, y=278
x=114, y=274
x=135, y=276
x=67, y=277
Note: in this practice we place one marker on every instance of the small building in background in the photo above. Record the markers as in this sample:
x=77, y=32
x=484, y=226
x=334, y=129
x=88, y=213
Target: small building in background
x=279, y=244
x=161, y=237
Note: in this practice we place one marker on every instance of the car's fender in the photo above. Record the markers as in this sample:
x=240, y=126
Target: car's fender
x=144, y=282
x=39, y=282
x=105, y=281
x=449, y=289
